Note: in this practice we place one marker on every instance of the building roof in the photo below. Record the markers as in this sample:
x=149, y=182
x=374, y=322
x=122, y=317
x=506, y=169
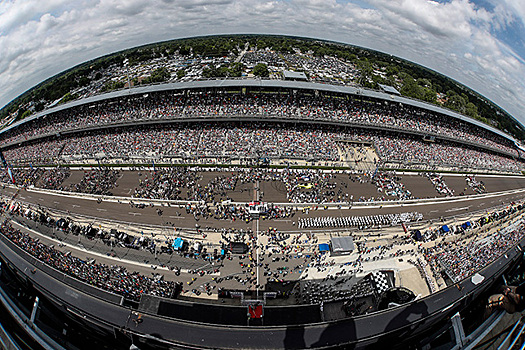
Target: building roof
x=389, y=89
x=342, y=245
x=290, y=75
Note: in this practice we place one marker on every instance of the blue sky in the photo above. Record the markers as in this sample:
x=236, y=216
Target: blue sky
x=480, y=43
x=511, y=34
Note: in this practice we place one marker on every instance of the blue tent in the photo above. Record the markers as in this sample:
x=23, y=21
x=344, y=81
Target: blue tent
x=445, y=228
x=177, y=243
x=466, y=225
x=324, y=247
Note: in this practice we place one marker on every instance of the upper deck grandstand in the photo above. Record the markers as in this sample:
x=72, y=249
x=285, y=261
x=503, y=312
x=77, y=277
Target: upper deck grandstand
x=405, y=133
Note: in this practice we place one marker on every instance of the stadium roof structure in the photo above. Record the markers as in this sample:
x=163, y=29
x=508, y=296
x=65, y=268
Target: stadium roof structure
x=270, y=83
x=389, y=89
x=290, y=75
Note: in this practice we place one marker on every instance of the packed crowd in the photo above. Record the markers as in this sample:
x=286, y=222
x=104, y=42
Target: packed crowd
x=302, y=185
x=167, y=183
x=479, y=254
x=99, y=181
x=304, y=106
x=54, y=178
x=421, y=266
x=411, y=150
x=113, y=278
x=462, y=258
x=311, y=186
x=27, y=177
x=236, y=212
x=230, y=141
x=215, y=188
x=38, y=177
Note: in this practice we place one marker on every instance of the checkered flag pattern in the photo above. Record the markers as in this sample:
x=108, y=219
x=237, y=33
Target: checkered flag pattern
x=380, y=281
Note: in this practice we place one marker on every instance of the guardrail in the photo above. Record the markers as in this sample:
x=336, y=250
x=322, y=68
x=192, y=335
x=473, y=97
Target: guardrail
x=6, y=341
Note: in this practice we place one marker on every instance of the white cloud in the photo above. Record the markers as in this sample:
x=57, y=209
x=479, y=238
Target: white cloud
x=512, y=9
x=12, y=13
x=41, y=38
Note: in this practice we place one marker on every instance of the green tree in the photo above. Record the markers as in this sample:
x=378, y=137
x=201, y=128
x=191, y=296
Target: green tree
x=68, y=97
x=471, y=110
x=392, y=69
x=214, y=72
x=181, y=73
x=365, y=69
x=236, y=69
x=158, y=75
x=25, y=114
x=261, y=70
x=39, y=106
x=457, y=103
x=113, y=85
x=411, y=88
x=424, y=82
x=429, y=95
x=20, y=113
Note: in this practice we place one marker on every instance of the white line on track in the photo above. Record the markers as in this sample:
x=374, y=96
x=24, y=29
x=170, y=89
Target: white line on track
x=177, y=217
x=100, y=209
x=456, y=209
x=133, y=213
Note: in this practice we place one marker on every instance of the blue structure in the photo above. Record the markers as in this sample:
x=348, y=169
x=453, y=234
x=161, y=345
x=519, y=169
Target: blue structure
x=177, y=243
x=324, y=247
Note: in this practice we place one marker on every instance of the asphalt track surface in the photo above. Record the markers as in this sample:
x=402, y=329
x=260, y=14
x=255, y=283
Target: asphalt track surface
x=174, y=216
x=459, y=207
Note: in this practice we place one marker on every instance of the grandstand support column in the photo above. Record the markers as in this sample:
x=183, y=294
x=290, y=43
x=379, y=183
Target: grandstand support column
x=35, y=309
x=459, y=333
x=126, y=64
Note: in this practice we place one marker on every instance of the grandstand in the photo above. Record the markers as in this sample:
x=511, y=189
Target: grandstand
x=224, y=114
x=126, y=206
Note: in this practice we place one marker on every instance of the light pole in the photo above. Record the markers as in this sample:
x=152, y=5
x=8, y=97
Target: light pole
x=255, y=212
x=257, y=253
x=126, y=64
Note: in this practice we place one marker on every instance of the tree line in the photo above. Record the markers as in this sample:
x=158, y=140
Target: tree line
x=373, y=68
